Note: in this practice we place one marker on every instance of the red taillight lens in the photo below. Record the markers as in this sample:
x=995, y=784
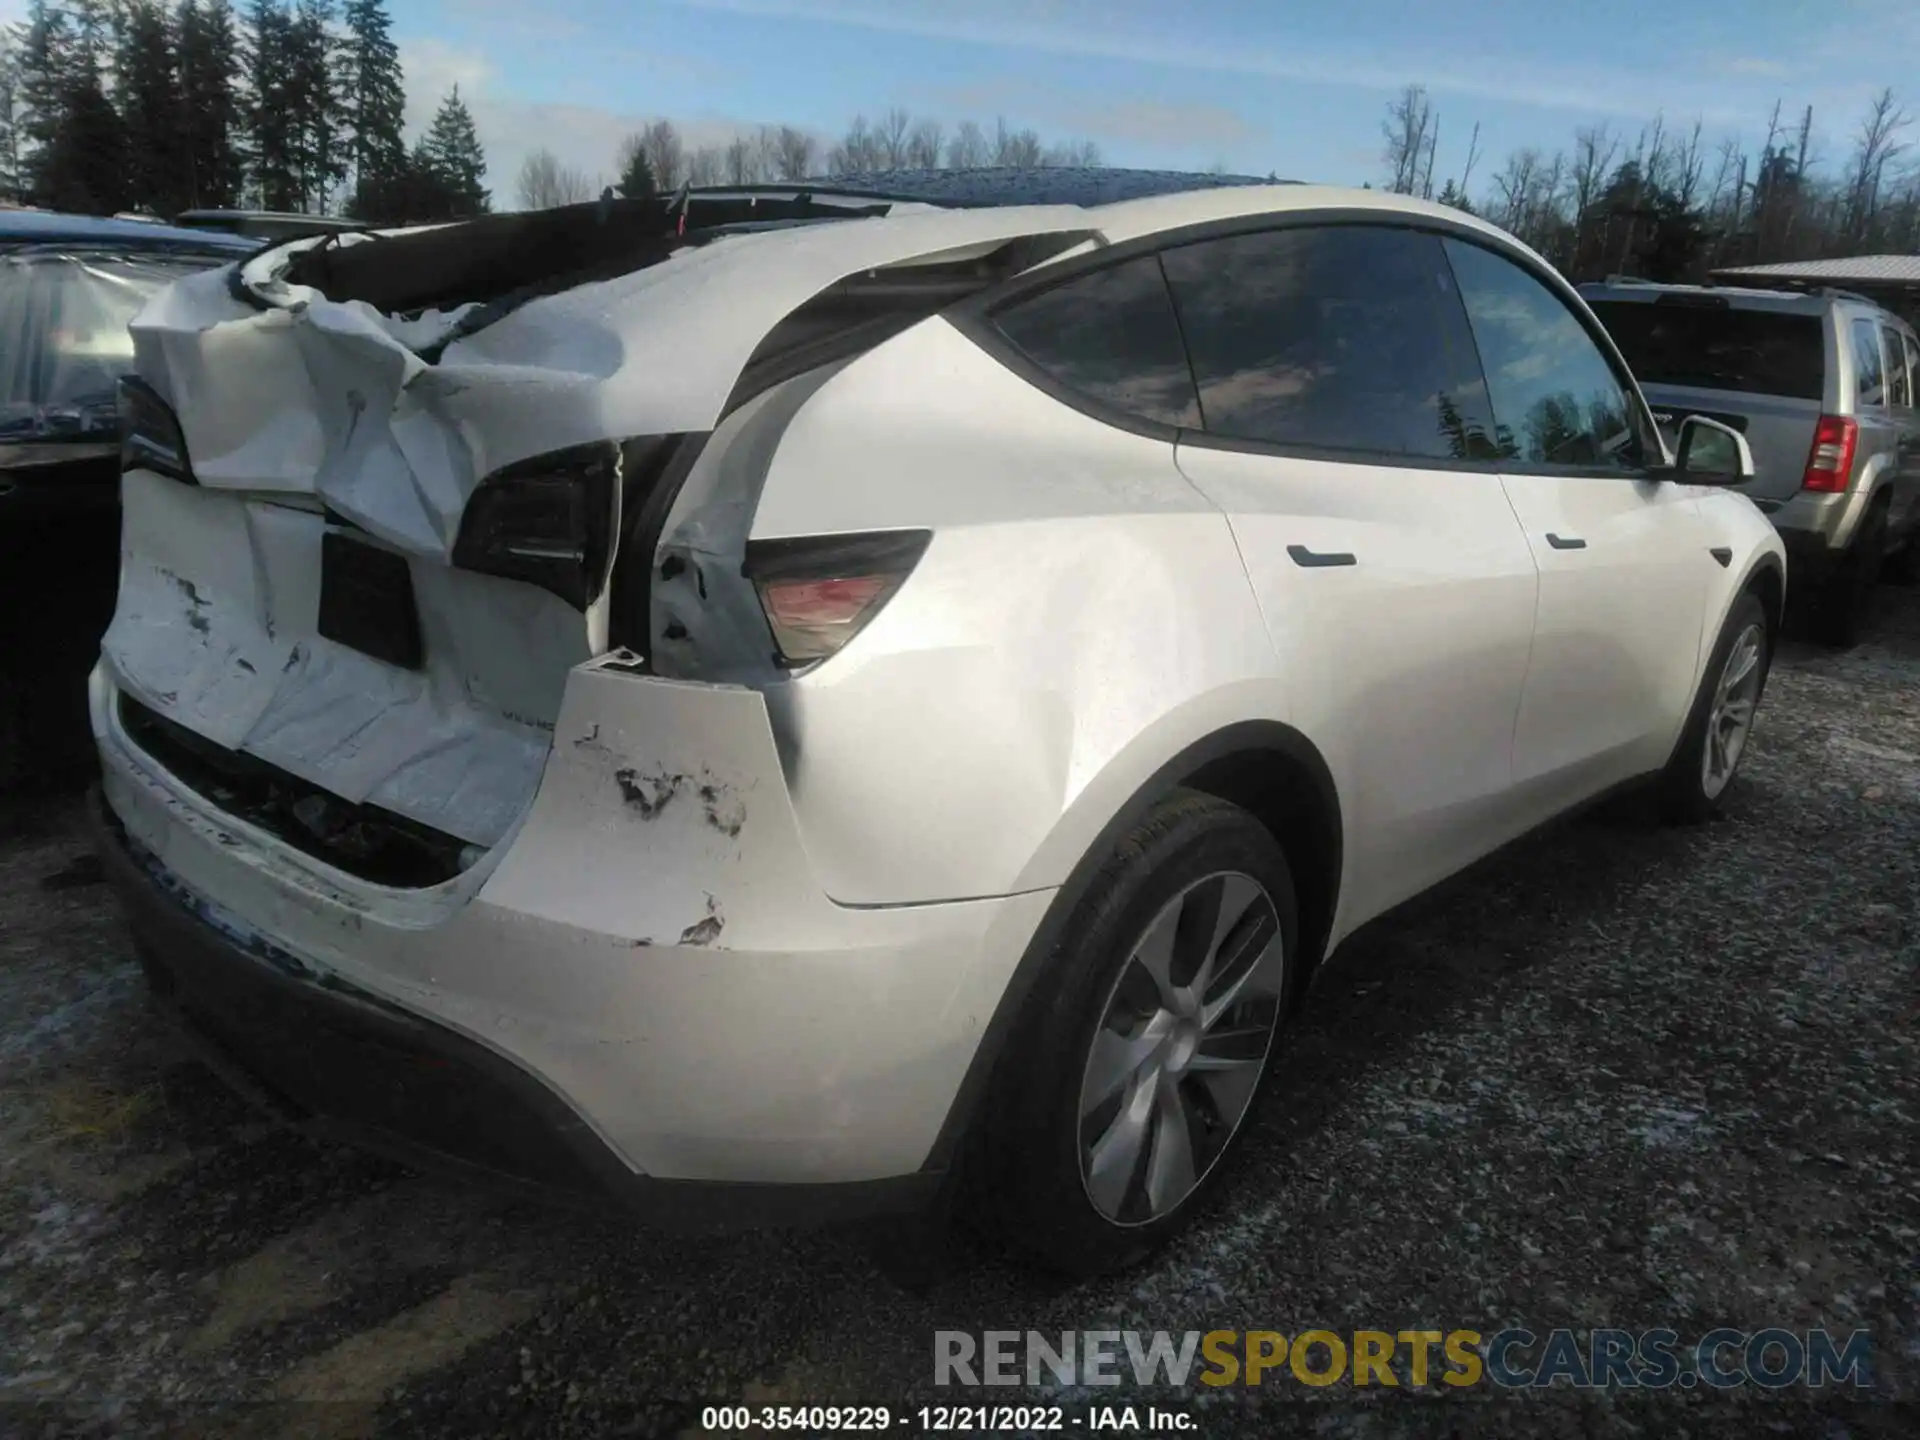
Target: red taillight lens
x=1830, y=461
x=818, y=593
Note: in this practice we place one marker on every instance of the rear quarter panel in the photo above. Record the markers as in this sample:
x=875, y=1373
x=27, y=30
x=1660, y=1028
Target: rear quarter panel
x=1080, y=616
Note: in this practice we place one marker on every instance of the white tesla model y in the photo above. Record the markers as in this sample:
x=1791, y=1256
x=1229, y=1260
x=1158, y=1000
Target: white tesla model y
x=756, y=703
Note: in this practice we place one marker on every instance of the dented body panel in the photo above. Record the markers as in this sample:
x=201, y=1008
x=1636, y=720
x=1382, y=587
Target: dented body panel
x=651, y=944
x=757, y=913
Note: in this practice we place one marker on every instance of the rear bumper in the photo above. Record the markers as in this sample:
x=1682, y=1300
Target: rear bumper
x=1817, y=529
x=321, y=1052
x=669, y=973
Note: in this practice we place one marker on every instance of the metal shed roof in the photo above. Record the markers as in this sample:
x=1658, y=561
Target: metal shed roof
x=1854, y=270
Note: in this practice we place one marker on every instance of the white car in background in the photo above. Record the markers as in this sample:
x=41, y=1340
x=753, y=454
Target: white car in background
x=757, y=704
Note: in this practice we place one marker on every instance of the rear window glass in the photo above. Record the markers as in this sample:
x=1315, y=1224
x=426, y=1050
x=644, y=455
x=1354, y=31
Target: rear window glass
x=63, y=339
x=1112, y=336
x=1757, y=352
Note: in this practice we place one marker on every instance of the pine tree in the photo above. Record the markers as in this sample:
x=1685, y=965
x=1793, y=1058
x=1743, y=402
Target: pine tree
x=319, y=142
x=212, y=172
x=453, y=150
x=9, y=134
x=151, y=108
x=423, y=191
x=83, y=169
x=375, y=102
x=272, y=124
x=93, y=27
x=44, y=65
x=636, y=176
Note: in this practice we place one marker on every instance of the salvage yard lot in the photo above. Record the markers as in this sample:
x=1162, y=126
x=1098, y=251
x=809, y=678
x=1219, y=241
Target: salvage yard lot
x=1619, y=1076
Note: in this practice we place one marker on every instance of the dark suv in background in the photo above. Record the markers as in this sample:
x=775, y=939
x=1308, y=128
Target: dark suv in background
x=1822, y=385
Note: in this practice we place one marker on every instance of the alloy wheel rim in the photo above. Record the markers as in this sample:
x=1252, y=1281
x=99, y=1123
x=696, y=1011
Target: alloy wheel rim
x=1182, y=1042
x=1730, y=719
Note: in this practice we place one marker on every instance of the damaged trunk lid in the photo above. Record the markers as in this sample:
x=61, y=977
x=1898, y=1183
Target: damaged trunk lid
x=365, y=546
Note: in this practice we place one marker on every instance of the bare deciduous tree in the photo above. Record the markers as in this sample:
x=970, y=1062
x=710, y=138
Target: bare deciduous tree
x=666, y=155
x=1408, y=129
x=1473, y=154
x=891, y=135
x=859, y=151
x=1016, y=149
x=738, y=161
x=1878, y=144
x=968, y=149
x=545, y=182
x=924, y=144
x=794, y=154
x=1072, y=153
x=707, y=165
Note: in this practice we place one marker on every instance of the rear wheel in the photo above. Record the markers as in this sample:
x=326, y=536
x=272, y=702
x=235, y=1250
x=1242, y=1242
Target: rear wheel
x=1715, y=739
x=1903, y=567
x=1845, y=606
x=1143, y=1049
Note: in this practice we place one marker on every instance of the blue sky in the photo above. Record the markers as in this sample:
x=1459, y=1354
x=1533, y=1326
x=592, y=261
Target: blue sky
x=1295, y=89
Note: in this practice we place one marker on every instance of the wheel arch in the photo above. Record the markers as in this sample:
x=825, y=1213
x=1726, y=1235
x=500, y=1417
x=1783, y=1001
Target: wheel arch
x=1768, y=581
x=1267, y=767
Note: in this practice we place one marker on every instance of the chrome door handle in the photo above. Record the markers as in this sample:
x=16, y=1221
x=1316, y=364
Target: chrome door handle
x=1315, y=559
x=1565, y=542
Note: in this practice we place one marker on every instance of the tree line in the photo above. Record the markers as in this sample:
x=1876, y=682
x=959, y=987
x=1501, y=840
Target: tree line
x=295, y=105
x=657, y=159
x=1661, y=203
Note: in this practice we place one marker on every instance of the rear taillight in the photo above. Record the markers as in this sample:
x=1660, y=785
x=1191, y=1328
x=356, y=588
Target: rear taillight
x=150, y=437
x=549, y=521
x=821, y=591
x=1830, y=461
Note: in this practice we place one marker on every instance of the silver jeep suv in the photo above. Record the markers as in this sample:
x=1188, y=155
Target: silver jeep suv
x=1822, y=385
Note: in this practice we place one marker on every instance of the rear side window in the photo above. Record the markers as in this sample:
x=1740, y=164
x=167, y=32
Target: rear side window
x=1715, y=347
x=1913, y=361
x=1340, y=338
x=1556, y=398
x=1869, y=380
x=1112, y=336
x=1899, y=381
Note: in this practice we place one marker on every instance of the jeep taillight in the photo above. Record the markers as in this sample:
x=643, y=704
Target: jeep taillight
x=820, y=591
x=549, y=521
x=1830, y=461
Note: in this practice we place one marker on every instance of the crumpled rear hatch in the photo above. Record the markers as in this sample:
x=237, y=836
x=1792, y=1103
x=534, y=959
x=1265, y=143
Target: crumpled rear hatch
x=365, y=548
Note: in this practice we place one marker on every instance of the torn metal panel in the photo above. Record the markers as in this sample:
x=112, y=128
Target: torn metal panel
x=706, y=619
x=331, y=397
x=215, y=630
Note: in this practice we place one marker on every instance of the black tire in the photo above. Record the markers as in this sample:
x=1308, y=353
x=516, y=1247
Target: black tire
x=1845, y=605
x=14, y=742
x=1029, y=1151
x=1903, y=567
x=1682, y=791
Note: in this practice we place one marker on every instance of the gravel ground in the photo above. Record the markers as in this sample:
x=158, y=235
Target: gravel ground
x=1620, y=1076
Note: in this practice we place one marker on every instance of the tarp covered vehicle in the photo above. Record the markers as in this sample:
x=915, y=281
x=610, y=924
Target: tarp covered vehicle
x=68, y=287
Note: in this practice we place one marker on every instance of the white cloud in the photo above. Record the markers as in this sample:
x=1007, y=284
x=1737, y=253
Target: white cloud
x=1051, y=28
x=511, y=127
x=1755, y=66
